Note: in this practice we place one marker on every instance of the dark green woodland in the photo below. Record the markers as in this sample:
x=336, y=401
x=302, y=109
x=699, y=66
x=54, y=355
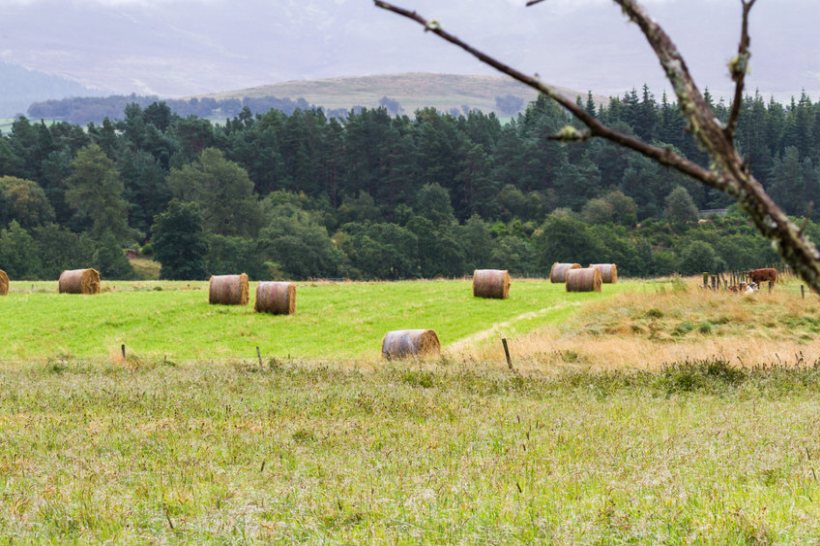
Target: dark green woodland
x=372, y=195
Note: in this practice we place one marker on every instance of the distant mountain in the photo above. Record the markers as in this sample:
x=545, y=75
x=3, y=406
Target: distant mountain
x=407, y=93
x=19, y=87
x=399, y=93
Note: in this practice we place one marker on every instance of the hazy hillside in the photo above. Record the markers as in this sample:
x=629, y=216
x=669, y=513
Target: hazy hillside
x=399, y=93
x=412, y=91
x=19, y=87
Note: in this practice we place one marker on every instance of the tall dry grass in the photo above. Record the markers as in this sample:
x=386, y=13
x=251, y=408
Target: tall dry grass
x=647, y=329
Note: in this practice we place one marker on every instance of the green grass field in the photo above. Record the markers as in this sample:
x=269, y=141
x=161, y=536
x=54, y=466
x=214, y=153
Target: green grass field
x=191, y=441
x=333, y=320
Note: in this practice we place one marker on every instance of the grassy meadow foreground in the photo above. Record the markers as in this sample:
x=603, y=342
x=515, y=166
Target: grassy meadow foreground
x=229, y=453
x=607, y=432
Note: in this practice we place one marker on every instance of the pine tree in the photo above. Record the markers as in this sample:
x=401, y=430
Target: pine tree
x=95, y=191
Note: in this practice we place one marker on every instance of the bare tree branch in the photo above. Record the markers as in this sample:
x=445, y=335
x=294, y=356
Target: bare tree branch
x=738, y=67
x=596, y=128
x=728, y=172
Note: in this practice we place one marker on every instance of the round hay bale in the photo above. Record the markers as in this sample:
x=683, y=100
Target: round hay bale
x=228, y=290
x=79, y=281
x=558, y=271
x=584, y=280
x=609, y=272
x=4, y=283
x=415, y=343
x=491, y=283
x=278, y=298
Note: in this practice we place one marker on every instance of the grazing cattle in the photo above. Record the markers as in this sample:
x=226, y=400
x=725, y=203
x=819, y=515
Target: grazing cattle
x=762, y=275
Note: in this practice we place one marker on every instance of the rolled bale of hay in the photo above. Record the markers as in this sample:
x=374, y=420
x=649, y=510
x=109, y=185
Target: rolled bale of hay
x=410, y=343
x=4, y=283
x=609, y=272
x=228, y=290
x=558, y=271
x=491, y=283
x=79, y=281
x=584, y=280
x=277, y=298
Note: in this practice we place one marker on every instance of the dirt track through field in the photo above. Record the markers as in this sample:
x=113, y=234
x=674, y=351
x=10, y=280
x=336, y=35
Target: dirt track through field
x=498, y=328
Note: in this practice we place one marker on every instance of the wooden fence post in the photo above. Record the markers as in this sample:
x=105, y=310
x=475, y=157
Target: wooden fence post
x=507, y=352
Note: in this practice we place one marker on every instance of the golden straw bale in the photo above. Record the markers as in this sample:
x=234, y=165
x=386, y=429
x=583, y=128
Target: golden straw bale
x=79, y=281
x=584, y=280
x=491, y=283
x=416, y=343
x=229, y=290
x=4, y=283
x=609, y=272
x=558, y=271
x=278, y=298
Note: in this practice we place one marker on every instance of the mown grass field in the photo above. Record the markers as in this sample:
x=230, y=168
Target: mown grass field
x=333, y=320
x=602, y=434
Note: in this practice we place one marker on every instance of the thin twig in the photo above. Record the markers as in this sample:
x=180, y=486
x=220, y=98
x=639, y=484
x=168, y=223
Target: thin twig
x=728, y=172
x=738, y=67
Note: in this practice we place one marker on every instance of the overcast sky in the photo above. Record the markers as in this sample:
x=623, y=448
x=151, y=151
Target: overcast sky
x=185, y=47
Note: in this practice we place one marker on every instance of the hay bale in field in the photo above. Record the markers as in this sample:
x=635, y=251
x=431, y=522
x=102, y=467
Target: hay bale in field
x=609, y=272
x=584, y=280
x=278, y=298
x=79, y=281
x=491, y=283
x=558, y=271
x=4, y=283
x=228, y=290
x=404, y=343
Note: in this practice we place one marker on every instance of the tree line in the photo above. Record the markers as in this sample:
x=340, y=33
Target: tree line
x=95, y=109
x=375, y=195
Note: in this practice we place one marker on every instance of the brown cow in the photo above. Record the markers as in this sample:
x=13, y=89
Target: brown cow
x=763, y=274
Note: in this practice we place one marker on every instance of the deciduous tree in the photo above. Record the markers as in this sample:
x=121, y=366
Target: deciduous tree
x=95, y=192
